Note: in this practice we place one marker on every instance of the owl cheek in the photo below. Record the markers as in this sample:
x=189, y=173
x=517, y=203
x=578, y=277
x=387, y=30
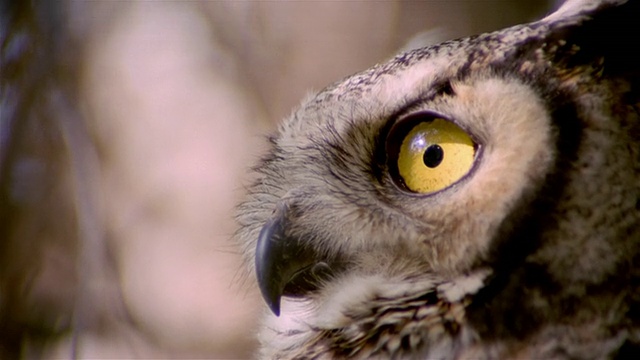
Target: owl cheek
x=454, y=245
x=462, y=230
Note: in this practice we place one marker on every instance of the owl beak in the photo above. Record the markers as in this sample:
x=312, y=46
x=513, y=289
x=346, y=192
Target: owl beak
x=284, y=265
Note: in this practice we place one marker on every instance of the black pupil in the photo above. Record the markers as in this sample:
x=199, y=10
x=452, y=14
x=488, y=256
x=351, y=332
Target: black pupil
x=433, y=156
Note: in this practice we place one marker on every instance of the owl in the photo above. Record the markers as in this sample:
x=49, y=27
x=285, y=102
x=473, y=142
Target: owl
x=479, y=199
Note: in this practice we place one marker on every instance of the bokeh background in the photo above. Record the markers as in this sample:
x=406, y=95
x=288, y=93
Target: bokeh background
x=118, y=201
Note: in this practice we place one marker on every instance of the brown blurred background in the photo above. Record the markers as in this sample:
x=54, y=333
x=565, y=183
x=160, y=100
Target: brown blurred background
x=128, y=250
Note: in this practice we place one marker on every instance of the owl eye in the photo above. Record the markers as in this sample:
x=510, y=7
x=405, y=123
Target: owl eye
x=427, y=153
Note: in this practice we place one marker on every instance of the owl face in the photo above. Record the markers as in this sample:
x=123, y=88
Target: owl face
x=348, y=176
x=500, y=151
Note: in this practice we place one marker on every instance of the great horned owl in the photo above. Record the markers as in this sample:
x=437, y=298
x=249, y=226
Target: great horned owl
x=474, y=199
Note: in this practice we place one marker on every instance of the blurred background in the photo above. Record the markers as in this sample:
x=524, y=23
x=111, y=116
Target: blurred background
x=127, y=130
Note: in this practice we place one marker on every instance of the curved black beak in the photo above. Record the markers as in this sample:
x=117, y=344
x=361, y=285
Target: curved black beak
x=284, y=265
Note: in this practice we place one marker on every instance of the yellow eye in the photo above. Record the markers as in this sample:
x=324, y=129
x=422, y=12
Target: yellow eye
x=429, y=153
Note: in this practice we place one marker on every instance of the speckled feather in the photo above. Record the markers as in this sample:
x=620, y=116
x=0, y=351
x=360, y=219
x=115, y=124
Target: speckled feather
x=534, y=254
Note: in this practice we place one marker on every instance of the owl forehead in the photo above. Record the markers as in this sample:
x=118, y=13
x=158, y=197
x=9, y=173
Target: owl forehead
x=417, y=70
x=357, y=108
x=523, y=51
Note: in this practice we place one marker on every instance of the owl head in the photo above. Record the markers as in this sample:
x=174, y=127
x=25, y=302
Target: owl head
x=515, y=154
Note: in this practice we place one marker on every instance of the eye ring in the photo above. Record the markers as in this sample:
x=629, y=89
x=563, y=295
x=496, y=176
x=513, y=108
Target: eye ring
x=427, y=152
